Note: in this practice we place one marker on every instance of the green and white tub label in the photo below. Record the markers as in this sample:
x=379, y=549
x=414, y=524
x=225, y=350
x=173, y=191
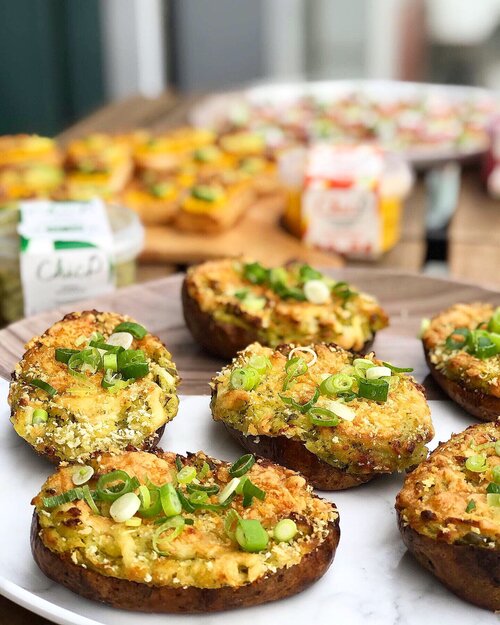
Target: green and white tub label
x=66, y=253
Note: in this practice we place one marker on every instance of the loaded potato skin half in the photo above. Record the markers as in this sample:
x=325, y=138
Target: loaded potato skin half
x=94, y=381
x=164, y=533
x=462, y=349
x=229, y=304
x=337, y=418
x=449, y=514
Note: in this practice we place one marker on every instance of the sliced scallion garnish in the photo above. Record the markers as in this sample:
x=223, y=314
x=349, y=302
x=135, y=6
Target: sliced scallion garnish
x=376, y=390
x=39, y=416
x=476, y=463
x=242, y=465
x=250, y=535
x=135, y=329
x=44, y=386
x=63, y=354
x=244, y=378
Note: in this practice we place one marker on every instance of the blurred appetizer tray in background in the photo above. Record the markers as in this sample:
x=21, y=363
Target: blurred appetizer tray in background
x=434, y=123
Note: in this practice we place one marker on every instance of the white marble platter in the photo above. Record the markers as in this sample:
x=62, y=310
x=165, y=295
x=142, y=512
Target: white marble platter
x=373, y=580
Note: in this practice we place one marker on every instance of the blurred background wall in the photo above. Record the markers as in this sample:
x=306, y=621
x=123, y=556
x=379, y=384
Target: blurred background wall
x=60, y=59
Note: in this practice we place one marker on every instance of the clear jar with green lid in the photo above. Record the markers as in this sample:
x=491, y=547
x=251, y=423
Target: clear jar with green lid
x=128, y=241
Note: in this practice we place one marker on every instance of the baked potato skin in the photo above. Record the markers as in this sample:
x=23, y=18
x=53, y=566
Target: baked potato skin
x=447, y=521
x=470, y=382
x=381, y=438
x=127, y=595
x=475, y=402
x=65, y=440
x=291, y=453
x=472, y=573
x=225, y=337
x=204, y=570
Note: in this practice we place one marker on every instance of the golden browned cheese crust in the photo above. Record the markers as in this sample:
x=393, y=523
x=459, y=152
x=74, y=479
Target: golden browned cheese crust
x=202, y=555
x=381, y=438
x=84, y=417
x=349, y=322
x=436, y=498
x=458, y=365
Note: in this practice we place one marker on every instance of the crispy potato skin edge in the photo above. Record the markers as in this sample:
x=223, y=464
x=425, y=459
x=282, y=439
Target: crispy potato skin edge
x=481, y=405
x=127, y=595
x=224, y=340
x=293, y=455
x=472, y=573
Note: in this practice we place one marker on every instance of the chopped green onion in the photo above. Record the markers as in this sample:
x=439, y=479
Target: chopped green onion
x=346, y=396
x=497, y=447
x=242, y=465
x=245, y=378
x=306, y=273
x=260, y=363
x=495, y=472
x=493, y=488
x=86, y=360
x=110, y=362
x=198, y=497
x=186, y=474
x=230, y=523
x=39, y=416
x=470, y=506
x=112, y=349
x=285, y=530
x=343, y=290
x=113, y=381
x=124, y=507
x=44, y=386
x=457, y=339
x=336, y=383
x=132, y=364
x=228, y=489
x=170, y=501
x=205, y=470
x=63, y=354
x=294, y=368
x=493, y=500
x=397, y=369
x=210, y=489
x=251, y=490
x=377, y=390
x=89, y=500
x=323, y=417
x=255, y=273
x=241, y=485
x=185, y=503
x=113, y=485
x=494, y=322
x=178, y=463
x=145, y=497
x=81, y=475
x=176, y=523
x=67, y=497
x=251, y=536
x=302, y=408
x=136, y=330
x=476, y=464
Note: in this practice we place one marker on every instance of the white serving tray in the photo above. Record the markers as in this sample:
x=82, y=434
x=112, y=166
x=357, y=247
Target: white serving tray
x=373, y=580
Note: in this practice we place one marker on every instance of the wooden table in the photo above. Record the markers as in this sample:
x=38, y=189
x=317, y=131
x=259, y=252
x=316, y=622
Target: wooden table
x=407, y=298
x=259, y=234
x=474, y=235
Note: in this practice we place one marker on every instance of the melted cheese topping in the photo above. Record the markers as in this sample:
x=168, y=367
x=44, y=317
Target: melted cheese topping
x=349, y=323
x=457, y=364
x=435, y=496
x=202, y=555
x=382, y=438
x=84, y=417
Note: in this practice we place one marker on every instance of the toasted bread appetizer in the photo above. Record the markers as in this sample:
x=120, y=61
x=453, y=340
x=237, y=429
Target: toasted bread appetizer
x=156, y=201
x=213, y=208
x=338, y=419
x=449, y=514
x=93, y=382
x=462, y=349
x=30, y=167
x=229, y=304
x=160, y=533
x=99, y=164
